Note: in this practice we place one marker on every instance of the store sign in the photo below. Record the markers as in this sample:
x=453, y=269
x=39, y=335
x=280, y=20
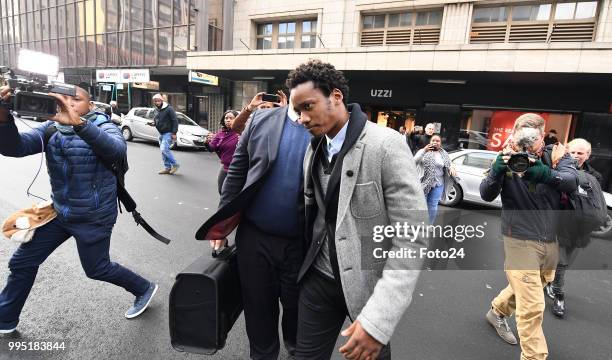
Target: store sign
x=151, y=85
x=381, y=93
x=502, y=123
x=202, y=78
x=107, y=88
x=122, y=76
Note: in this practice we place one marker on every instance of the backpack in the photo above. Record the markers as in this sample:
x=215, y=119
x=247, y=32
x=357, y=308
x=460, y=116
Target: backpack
x=585, y=208
x=119, y=168
x=588, y=205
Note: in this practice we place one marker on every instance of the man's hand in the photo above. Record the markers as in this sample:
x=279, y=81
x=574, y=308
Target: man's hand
x=538, y=172
x=5, y=94
x=453, y=171
x=66, y=115
x=217, y=244
x=174, y=137
x=283, y=98
x=255, y=102
x=360, y=345
x=558, y=152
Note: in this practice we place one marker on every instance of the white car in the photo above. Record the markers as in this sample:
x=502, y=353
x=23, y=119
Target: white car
x=138, y=123
x=471, y=165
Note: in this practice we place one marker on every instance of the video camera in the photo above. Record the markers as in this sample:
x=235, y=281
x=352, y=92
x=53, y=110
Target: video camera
x=30, y=88
x=30, y=94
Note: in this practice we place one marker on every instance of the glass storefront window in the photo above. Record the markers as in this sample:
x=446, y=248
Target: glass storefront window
x=150, y=14
x=164, y=48
x=137, y=52
x=100, y=51
x=181, y=12
x=150, y=56
x=90, y=17
x=71, y=51
x=113, y=50
x=70, y=20
x=165, y=13
x=44, y=24
x=490, y=129
x=180, y=45
x=136, y=10
x=112, y=15
x=61, y=21
x=81, y=56
x=123, y=43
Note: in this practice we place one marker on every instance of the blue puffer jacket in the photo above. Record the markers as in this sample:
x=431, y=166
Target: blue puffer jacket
x=83, y=189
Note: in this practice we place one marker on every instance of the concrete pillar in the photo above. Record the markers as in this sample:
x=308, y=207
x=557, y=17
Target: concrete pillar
x=228, y=24
x=456, y=23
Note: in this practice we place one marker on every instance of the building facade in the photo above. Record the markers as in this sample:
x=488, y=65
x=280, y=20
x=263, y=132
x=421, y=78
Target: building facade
x=90, y=35
x=470, y=67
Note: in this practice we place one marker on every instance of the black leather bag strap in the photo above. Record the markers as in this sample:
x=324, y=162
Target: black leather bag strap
x=140, y=221
x=123, y=195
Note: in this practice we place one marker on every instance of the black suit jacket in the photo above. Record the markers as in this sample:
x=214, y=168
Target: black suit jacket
x=256, y=151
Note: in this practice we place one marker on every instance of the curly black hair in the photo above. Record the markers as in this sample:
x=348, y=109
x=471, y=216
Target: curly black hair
x=324, y=76
x=222, y=121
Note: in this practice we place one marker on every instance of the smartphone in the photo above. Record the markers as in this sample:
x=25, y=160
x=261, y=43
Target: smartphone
x=270, y=98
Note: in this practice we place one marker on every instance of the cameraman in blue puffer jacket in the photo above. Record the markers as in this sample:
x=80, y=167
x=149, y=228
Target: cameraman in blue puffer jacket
x=84, y=194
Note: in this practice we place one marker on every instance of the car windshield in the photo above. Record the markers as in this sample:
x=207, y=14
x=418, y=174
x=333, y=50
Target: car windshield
x=184, y=120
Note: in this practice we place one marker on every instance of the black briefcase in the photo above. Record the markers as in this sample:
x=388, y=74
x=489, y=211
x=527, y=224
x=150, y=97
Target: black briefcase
x=205, y=301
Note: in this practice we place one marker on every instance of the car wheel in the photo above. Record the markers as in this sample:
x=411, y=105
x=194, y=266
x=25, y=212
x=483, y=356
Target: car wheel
x=127, y=133
x=454, y=197
x=605, y=232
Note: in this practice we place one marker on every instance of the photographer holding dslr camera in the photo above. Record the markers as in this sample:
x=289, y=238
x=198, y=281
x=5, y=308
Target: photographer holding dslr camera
x=84, y=194
x=530, y=178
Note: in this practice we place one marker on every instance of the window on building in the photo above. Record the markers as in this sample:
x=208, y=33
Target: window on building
x=264, y=36
x=309, y=34
x=287, y=34
x=543, y=22
x=401, y=28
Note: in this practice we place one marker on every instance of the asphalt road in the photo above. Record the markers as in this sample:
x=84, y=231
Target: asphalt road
x=445, y=320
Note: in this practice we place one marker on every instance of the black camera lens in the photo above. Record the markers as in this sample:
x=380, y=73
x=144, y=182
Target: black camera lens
x=35, y=104
x=518, y=162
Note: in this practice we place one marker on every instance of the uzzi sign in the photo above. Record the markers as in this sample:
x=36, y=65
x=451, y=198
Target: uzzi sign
x=381, y=93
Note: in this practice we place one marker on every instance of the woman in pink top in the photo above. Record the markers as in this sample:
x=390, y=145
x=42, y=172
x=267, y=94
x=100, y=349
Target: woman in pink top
x=224, y=144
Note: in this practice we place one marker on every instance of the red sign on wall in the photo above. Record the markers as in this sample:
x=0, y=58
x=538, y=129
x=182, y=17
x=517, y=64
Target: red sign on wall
x=501, y=126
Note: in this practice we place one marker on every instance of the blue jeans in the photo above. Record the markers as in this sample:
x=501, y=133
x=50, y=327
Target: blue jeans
x=434, y=196
x=165, y=141
x=93, y=241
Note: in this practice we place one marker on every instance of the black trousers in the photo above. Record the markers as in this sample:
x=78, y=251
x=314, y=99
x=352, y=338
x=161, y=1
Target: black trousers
x=268, y=266
x=322, y=312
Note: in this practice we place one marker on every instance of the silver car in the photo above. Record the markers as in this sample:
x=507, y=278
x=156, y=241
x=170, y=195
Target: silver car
x=471, y=165
x=138, y=123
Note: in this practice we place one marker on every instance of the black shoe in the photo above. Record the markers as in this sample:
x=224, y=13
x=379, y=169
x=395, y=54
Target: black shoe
x=548, y=291
x=558, y=308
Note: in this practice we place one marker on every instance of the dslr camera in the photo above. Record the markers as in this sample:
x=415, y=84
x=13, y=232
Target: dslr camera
x=30, y=94
x=524, y=139
x=521, y=161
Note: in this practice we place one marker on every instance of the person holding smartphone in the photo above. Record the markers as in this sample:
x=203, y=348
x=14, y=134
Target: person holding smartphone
x=436, y=172
x=260, y=101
